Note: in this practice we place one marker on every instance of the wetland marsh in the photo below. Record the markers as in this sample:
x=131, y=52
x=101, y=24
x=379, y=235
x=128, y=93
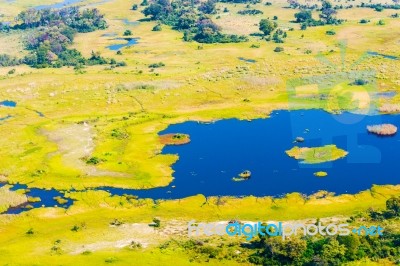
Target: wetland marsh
x=125, y=140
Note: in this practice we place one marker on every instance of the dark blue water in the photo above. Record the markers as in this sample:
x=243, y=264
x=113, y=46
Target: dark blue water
x=217, y=152
x=383, y=55
x=222, y=150
x=46, y=199
x=129, y=42
x=8, y=103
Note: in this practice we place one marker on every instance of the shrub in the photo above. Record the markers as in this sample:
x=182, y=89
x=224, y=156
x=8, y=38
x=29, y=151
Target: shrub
x=364, y=21
x=135, y=7
x=156, y=222
x=127, y=33
x=330, y=32
x=360, y=82
x=94, y=160
x=116, y=133
x=278, y=49
x=75, y=228
x=156, y=65
x=157, y=27
x=252, y=12
x=121, y=64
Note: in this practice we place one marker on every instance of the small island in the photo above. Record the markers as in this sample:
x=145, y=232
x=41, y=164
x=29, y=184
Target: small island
x=316, y=155
x=174, y=139
x=245, y=175
x=382, y=130
x=321, y=174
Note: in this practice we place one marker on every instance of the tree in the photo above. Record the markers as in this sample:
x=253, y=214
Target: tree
x=267, y=26
x=293, y=3
x=303, y=16
x=158, y=10
x=157, y=28
x=393, y=205
x=207, y=7
x=187, y=20
x=352, y=244
x=332, y=252
x=328, y=13
x=127, y=33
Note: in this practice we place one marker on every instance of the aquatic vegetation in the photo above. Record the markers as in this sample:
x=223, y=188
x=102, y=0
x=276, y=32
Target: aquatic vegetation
x=321, y=174
x=9, y=198
x=33, y=199
x=383, y=130
x=317, y=154
x=60, y=200
x=389, y=108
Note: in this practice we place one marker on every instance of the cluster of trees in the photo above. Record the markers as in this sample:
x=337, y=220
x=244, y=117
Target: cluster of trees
x=333, y=250
x=304, y=250
x=392, y=210
x=268, y=27
x=87, y=20
x=381, y=7
x=190, y=18
x=52, y=31
x=7, y=60
x=327, y=16
x=295, y=4
x=377, y=6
